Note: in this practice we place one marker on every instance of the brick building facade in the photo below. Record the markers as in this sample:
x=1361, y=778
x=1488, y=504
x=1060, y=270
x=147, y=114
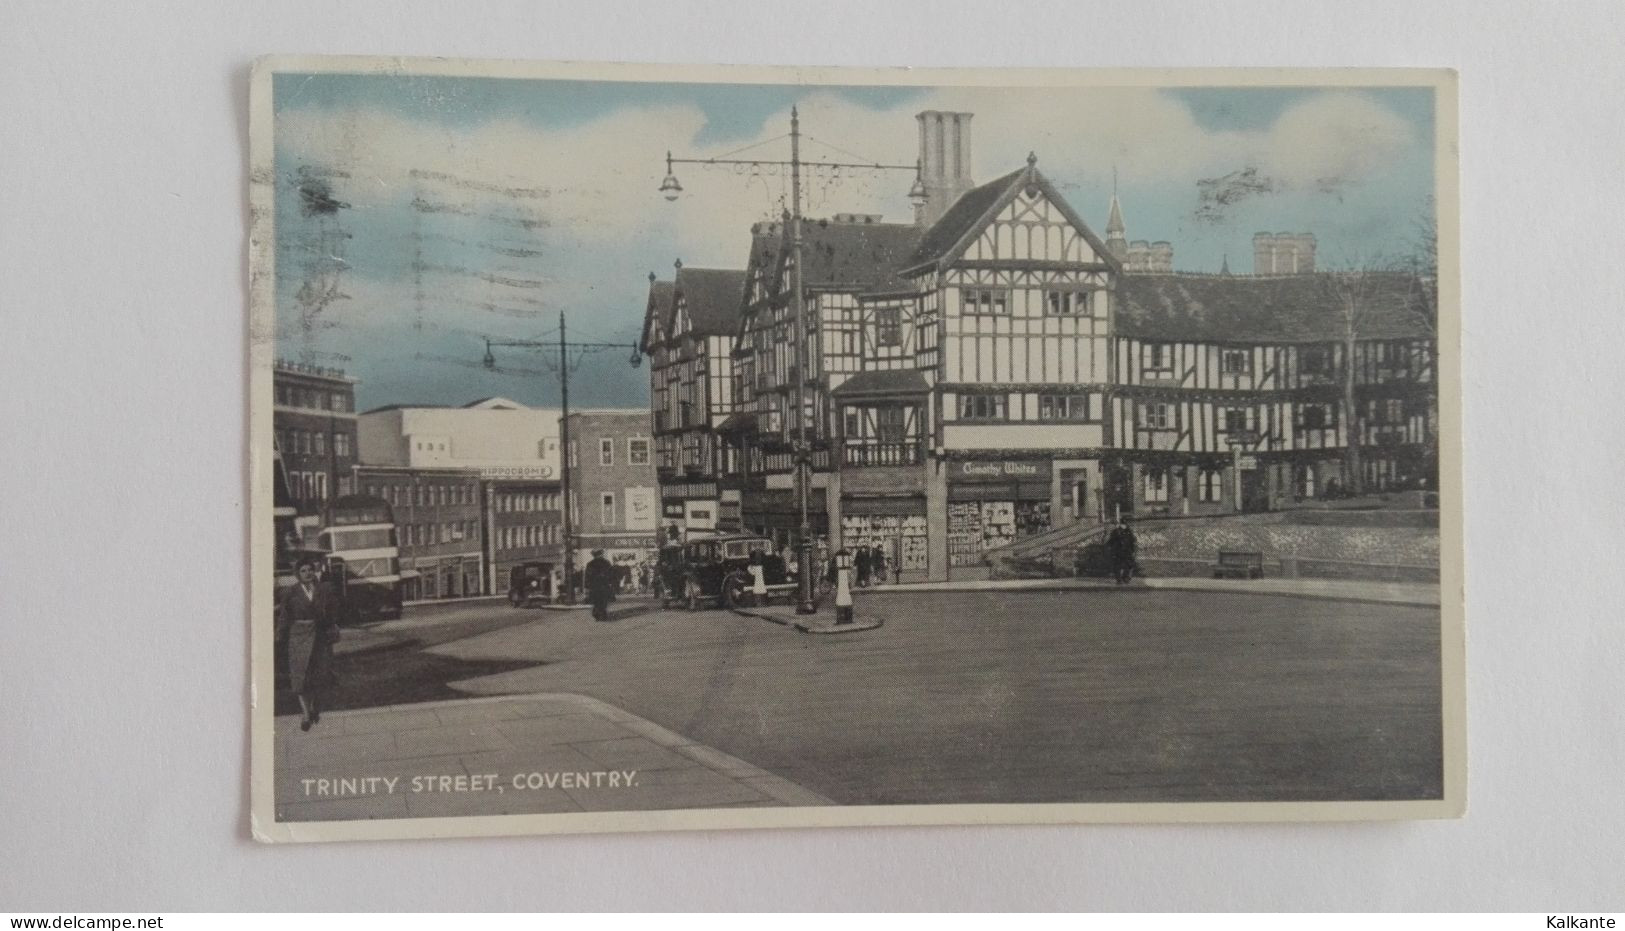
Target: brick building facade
x=615, y=495
x=313, y=423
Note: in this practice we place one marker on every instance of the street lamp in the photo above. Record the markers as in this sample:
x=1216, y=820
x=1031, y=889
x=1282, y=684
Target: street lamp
x=917, y=194
x=564, y=366
x=669, y=185
x=671, y=189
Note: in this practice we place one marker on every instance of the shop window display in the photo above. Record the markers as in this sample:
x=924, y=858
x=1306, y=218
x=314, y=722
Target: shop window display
x=902, y=537
x=974, y=527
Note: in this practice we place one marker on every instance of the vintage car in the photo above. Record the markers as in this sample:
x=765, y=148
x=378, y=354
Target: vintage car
x=530, y=583
x=716, y=570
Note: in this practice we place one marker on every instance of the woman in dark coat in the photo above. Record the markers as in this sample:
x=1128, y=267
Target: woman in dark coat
x=307, y=626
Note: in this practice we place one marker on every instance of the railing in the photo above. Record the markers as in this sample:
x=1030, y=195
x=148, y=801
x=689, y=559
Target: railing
x=1071, y=535
x=882, y=454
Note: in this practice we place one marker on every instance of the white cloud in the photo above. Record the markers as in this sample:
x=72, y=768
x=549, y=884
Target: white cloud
x=601, y=176
x=595, y=184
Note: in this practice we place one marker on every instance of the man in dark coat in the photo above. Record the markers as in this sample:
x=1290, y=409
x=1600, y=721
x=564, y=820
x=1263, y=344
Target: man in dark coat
x=601, y=581
x=862, y=564
x=877, y=563
x=1121, y=547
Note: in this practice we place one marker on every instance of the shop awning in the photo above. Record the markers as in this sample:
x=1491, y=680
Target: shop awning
x=742, y=422
x=899, y=383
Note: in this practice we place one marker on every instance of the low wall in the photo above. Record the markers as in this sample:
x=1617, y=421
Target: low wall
x=1417, y=546
x=1421, y=519
x=1289, y=568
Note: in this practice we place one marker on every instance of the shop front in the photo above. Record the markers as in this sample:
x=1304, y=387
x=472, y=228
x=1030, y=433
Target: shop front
x=634, y=556
x=443, y=577
x=775, y=514
x=896, y=526
x=992, y=503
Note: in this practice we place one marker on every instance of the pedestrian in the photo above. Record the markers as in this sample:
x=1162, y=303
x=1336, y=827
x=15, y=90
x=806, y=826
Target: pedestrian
x=601, y=581
x=863, y=566
x=306, y=628
x=1121, y=546
x=877, y=564
x=758, y=576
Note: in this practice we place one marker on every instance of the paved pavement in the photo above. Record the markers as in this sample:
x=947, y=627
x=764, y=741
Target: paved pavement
x=1420, y=594
x=511, y=755
x=821, y=621
x=1108, y=695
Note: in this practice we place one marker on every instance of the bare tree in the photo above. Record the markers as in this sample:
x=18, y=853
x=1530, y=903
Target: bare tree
x=1422, y=304
x=1372, y=296
x=1354, y=289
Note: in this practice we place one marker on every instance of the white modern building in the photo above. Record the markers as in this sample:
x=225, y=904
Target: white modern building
x=475, y=488
x=499, y=438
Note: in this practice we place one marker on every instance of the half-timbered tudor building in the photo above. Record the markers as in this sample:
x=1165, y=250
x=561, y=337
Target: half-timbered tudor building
x=985, y=385
x=849, y=276
x=1233, y=393
x=1026, y=381
x=689, y=330
x=996, y=370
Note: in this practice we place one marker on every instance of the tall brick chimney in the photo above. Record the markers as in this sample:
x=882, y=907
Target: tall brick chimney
x=945, y=162
x=1283, y=253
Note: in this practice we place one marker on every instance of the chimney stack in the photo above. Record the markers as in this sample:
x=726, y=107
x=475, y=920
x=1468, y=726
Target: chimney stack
x=945, y=162
x=1283, y=253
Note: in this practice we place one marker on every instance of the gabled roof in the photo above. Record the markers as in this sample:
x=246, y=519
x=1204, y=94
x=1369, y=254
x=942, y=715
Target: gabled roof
x=963, y=217
x=740, y=422
x=496, y=404
x=714, y=298
x=402, y=407
x=657, y=309
x=766, y=239
x=856, y=256
x=884, y=384
x=1276, y=309
x=956, y=229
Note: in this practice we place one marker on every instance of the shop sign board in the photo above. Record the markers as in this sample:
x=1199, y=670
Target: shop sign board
x=1002, y=470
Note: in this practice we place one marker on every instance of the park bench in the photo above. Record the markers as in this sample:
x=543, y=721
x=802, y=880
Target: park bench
x=1240, y=564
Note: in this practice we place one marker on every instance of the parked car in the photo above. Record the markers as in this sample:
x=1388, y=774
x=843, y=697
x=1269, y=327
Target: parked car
x=716, y=570
x=530, y=582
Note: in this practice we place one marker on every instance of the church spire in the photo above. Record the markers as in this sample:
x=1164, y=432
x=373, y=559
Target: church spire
x=1224, y=266
x=1116, y=232
x=1114, y=221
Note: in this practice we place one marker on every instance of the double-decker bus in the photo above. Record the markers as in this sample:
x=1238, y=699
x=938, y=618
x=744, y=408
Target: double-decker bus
x=363, y=556
x=284, y=519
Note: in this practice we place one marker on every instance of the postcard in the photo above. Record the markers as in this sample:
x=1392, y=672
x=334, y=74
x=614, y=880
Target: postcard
x=688, y=447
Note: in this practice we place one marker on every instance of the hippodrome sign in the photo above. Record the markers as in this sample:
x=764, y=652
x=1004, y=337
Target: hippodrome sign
x=531, y=472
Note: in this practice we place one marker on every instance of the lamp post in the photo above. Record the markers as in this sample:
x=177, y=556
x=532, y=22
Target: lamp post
x=671, y=189
x=564, y=365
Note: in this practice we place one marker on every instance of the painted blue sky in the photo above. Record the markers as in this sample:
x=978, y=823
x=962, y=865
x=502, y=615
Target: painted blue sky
x=417, y=215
